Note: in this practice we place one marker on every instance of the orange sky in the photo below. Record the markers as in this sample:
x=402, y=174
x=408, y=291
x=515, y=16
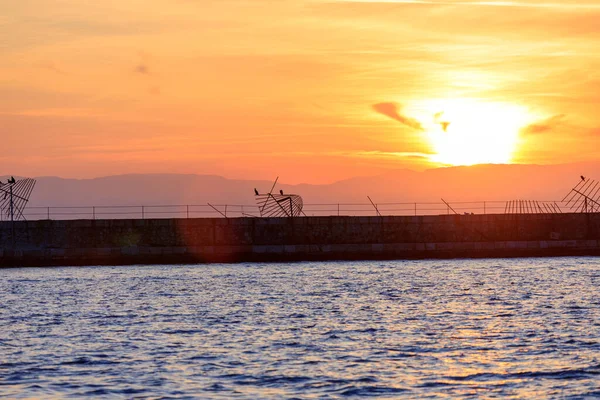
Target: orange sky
x=310, y=90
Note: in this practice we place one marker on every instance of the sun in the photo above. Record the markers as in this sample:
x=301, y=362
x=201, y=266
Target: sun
x=468, y=132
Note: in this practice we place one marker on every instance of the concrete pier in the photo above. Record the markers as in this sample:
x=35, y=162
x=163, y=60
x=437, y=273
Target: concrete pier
x=161, y=241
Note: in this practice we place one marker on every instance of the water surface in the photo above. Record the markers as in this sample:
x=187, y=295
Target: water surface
x=522, y=328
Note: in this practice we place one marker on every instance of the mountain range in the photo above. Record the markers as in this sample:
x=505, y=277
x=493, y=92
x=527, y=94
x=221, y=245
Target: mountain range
x=473, y=183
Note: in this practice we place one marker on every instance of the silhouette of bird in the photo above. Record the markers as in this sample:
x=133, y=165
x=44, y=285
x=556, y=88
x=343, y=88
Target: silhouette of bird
x=281, y=192
x=11, y=180
x=582, y=178
x=255, y=191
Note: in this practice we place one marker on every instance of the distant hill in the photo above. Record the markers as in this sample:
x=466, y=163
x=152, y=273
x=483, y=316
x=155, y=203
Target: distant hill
x=482, y=182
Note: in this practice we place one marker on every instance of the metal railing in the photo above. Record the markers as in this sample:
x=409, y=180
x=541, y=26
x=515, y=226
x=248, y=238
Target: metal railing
x=237, y=210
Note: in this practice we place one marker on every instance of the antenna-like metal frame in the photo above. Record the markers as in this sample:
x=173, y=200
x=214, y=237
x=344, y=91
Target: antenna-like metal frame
x=279, y=205
x=14, y=196
x=584, y=197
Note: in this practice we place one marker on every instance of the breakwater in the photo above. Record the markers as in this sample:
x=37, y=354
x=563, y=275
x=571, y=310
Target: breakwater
x=154, y=241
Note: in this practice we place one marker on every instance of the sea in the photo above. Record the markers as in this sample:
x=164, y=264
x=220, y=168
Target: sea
x=495, y=328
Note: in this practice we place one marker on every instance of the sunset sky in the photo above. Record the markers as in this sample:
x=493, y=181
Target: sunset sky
x=309, y=90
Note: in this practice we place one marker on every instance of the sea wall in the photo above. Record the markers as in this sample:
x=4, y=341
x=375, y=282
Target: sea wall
x=89, y=242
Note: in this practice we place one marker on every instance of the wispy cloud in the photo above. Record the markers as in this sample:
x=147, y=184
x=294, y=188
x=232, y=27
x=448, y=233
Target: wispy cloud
x=61, y=113
x=391, y=154
x=544, y=126
x=392, y=110
x=524, y=4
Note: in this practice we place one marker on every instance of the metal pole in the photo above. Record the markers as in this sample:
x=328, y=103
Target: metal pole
x=374, y=206
x=12, y=211
x=12, y=217
x=338, y=209
x=143, y=212
x=449, y=206
x=93, y=212
x=48, y=213
x=217, y=210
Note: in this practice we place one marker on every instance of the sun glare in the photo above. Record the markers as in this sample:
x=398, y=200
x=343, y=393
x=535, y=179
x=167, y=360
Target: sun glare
x=468, y=132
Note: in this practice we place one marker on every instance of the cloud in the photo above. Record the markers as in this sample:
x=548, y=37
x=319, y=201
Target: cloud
x=60, y=112
x=438, y=120
x=389, y=154
x=544, y=126
x=392, y=110
x=521, y=4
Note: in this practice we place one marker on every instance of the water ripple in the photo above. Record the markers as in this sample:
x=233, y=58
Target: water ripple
x=520, y=328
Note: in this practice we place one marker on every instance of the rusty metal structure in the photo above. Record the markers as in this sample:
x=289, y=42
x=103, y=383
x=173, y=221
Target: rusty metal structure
x=14, y=196
x=278, y=205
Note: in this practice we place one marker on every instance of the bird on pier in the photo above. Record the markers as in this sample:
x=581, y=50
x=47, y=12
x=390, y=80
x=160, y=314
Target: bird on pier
x=12, y=179
x=255, y=191
x=281, y=192
x=582, y=178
